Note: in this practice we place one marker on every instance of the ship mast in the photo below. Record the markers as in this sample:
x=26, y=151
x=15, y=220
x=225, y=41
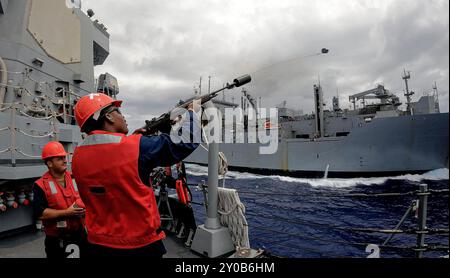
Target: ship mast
x=436, y=97
x=318, y=107
x=408, y=94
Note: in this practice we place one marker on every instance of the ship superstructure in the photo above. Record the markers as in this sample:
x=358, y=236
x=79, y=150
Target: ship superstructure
x=48, y=50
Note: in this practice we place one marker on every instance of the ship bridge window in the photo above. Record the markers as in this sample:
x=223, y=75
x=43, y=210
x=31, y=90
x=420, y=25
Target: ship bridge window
x=343, y=133
x=302, y=136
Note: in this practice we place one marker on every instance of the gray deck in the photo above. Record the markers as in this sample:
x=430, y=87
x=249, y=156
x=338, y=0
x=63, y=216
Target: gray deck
x=31, y=245
x=24, y=245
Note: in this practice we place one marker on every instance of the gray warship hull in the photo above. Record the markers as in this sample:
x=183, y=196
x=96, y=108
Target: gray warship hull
x=384, y=147
x=46, y=65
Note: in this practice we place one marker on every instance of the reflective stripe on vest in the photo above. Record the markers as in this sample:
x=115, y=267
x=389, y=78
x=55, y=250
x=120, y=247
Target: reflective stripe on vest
x=97, y=139
x=74, y=183
x=52, y=187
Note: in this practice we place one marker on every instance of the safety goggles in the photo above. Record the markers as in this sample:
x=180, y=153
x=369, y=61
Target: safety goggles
x=107, y=110
x=114, y=109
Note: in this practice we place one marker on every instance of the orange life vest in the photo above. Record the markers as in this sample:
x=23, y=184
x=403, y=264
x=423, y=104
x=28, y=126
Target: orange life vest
x=121, y=211
x=61, y=198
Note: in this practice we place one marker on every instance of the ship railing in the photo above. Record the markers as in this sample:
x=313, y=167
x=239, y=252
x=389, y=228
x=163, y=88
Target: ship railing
x=15, y=108
x=417, y=206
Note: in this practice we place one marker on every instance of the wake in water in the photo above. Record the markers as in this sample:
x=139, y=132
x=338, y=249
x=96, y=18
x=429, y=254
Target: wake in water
x=435, y=175
x=302, y=218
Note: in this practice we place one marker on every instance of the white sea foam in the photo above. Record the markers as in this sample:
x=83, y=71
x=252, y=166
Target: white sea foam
x=438, y=174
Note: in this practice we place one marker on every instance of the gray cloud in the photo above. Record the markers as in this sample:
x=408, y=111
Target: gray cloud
x=159, y=49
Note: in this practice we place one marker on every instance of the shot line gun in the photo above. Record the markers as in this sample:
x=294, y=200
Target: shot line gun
x=164, y=122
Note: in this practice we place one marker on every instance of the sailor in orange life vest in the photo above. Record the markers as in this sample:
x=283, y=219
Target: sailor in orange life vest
x=58, y=204
x=113, y=170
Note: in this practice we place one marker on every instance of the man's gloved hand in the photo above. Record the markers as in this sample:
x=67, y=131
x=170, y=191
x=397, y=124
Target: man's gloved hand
x=139, y=131
x=195, y=105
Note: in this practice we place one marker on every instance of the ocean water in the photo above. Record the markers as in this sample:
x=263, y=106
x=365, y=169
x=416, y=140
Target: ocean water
x=309, y=218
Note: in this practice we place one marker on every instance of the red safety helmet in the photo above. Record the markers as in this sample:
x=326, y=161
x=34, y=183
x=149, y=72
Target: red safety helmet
x=89, y=104
x=53, y=149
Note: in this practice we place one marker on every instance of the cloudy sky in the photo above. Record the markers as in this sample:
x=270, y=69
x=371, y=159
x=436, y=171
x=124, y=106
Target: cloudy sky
x=159, y=49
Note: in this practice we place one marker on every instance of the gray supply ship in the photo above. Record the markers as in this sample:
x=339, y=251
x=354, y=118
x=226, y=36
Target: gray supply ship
x=48, y=50
x=377, y=139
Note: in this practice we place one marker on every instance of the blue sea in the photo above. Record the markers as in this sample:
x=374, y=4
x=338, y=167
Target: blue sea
x=310, y=218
